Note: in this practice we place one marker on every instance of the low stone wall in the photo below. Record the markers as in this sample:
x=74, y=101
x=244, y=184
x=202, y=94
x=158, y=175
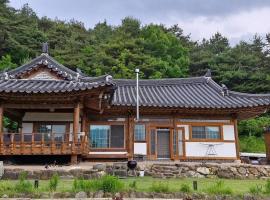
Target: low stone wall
x=156, y=170
x=209, y=170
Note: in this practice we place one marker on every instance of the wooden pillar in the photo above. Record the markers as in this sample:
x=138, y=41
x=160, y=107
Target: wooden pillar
x=84, y=129
x=1, y=127
x=237, y=147
x=76, y=121
x=130, y=137
x=267, y=143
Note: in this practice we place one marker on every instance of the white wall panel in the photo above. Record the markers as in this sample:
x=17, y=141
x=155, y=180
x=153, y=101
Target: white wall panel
x=140, y=148
x=199, y=149
x=186, y=127
x=27, y=127
x=228, y=132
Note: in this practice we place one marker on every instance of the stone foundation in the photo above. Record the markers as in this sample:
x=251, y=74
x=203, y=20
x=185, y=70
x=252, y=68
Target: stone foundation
x=156, y=170
x=209, y=170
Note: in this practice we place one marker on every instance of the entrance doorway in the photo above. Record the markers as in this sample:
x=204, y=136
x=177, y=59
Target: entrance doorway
x=163, y=143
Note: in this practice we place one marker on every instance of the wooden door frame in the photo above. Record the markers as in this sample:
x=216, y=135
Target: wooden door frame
x=156, y=127
x=176, y=155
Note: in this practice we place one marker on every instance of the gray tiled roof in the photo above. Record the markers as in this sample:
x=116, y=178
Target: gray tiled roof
x=51, y=86
x=50, y=63
x=199, y=92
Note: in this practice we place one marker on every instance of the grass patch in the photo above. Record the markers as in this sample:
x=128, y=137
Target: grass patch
x=106, y=184
x=256, y=190
x=185, y=188
x=53, y=182
x=162, y=187
x=219, y=188
x=145, y=184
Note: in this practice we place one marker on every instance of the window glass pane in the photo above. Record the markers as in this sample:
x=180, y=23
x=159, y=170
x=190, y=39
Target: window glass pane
x=43, y=128
x=117, y=136
x=99, y=136
x=59, y=132
x=205, y=132
x=212, y=132
x=59, y=128
x=139, y=132
x=198, y=132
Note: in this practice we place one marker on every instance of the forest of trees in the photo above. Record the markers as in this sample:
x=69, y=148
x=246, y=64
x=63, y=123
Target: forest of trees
x=158, y=51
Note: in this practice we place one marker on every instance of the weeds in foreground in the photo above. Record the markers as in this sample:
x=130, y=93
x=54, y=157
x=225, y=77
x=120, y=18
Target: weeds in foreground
x=159, y=187
x=53, y=182
x=133, y=185
x=256, y=190
x=23, y=186
x=267, y=187
x=185, y=188
x=219, y=188
x=106, y=184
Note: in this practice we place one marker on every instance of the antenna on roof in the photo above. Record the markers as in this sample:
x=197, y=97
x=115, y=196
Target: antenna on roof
x=45, y=48
x=208, y=73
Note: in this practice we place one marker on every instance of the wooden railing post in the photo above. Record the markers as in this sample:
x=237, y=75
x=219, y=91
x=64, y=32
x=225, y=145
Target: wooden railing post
x=42, y=143
x=32, y=143
x=52, y=143
x=12, y=143
x=76, y=121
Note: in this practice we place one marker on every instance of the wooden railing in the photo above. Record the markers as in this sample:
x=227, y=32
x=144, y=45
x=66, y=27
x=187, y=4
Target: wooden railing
x=42, y=144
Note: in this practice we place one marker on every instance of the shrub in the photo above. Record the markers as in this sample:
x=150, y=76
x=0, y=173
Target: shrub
x=54, y=180
x=85, y=185
x=159, y=187
x=256, y=190
x=110, y=184
x=23, y=186
x=219, y=188
x=185, y=188
x=267, y=187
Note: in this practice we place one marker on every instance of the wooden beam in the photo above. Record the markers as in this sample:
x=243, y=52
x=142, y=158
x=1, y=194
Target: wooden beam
x=237, y=147
x=38, y=106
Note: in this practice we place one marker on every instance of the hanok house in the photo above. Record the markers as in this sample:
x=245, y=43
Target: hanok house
x=66, y=113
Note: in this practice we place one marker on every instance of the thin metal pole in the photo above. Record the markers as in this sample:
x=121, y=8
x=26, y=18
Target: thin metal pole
x=137, y=95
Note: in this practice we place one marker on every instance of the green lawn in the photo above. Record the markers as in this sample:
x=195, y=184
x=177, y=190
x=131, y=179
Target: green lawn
x=238, y=187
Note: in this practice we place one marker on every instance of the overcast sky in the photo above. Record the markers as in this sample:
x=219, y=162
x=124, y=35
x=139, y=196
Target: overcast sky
x=236, y=19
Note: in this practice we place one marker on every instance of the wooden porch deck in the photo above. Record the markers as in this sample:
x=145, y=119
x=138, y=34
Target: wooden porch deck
x=42, y=144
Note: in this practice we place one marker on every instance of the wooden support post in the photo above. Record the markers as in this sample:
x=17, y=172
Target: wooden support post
x=130, y=137
x=1, y=129
x=237, y=147
x=76, y=121
x=267, y=143
x=84, y=129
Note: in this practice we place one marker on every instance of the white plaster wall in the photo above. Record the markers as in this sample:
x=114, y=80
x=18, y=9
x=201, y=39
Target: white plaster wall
x=140, y=148
x=27, y=127
x=186, y=128
x=199, y=149
x=34, y=116
x=228, y=132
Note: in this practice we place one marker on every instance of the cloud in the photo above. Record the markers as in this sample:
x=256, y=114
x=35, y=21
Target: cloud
x=235, y=19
